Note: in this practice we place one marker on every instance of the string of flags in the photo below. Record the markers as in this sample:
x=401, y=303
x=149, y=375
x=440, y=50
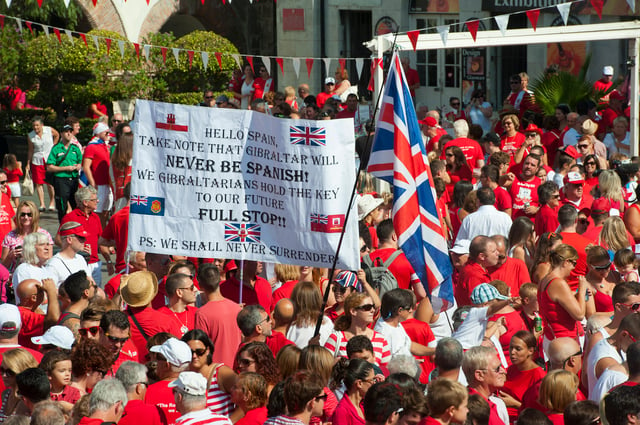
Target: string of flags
x=95, y=2
x=502, y=21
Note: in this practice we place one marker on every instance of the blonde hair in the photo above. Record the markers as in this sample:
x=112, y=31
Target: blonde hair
x=287, y=359
x=614, y=234
x=610, y=186
x=286, y=272
x=558, y=389
x=18, y=360
x=289, y=91
x=317, y=360
x=443, y=393
x=35, y=223
x=354, y=299
x=514, y=118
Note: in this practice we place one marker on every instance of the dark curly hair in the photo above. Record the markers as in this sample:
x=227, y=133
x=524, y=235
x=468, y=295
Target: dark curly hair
x=264, y=360
x=90, y=356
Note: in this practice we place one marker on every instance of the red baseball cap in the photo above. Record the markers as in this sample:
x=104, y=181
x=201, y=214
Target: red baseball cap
x=573, y=178
x=429, y=122
x=533, y=128
x=601, y=206
x=571, y=151
x=73, y=228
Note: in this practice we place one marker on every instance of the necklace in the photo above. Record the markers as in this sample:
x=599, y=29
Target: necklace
x=185, y=326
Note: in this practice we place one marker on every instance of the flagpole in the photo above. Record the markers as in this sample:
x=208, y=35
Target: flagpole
x=325, y=296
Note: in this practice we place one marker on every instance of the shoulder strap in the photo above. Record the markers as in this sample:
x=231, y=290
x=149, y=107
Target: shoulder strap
x=391, y=258
x=210, y=378
x=144, y=334
x=66, y=316
x=64, y=264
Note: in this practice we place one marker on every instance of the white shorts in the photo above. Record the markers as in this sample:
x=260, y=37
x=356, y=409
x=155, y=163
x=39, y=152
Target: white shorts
x=16, y=192
x=105, y=198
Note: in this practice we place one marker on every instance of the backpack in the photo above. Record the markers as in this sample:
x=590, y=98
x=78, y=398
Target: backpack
x=382, y=280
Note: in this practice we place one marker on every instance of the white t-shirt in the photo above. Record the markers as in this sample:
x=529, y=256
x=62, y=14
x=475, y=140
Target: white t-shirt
x=27, y=271
x=61, y=268
x=399, y=341
x=300, y=336
x=471, y=331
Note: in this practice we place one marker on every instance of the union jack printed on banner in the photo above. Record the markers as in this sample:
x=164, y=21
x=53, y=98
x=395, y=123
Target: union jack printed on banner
x=138, y=200
x=309, y=136
x=320, y=218
x=242, y=232
x=399, y=157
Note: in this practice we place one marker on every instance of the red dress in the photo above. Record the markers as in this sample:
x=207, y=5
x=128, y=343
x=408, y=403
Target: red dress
x=557, y=322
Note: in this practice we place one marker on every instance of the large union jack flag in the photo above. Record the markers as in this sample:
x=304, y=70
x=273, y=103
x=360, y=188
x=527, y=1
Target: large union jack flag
x=242, y=232
x=309, y=136
x=399, y=157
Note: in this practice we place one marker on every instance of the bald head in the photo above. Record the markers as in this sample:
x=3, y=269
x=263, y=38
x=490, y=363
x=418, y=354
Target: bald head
x=560, y=350
x=27, y=291
x=434, y=114
x=283, y=312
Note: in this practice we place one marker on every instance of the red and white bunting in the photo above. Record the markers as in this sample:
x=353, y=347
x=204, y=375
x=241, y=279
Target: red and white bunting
x=473, y=28
x=108, y=42
x=236, y=57
x=632, y=5
x=190, y=57
x=413, y=37
x=219, y=59
x=359, y=66
x=327, y=66
x=205, y=59
x=84, y=38
x=121, y=48
x=563, y=10
x=28, y=24
x=343, y=63
x=280, y=63
x=502, y=21
x=250, y=60
x=136, y=46
x=597, y=6
x=163, y=50
x=69, y=35
x=146, y=49
x=443, y=30
x=533, y=17
x=176, y=54
x=296, y=66
x=267, y=63
x=309, y=62
x=56, y=31
x=45, y=28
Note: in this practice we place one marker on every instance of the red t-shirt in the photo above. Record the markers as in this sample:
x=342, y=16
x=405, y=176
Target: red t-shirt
x=6, y=214
x=13, y=176
x=546, y=220
x=151, y=322
x=471, y=149
x=256, y=416
x=517, y=384
x=503, y=199
x=580, y=243
x=137, y=412
x=113, y=285
x=431, y=144
x=180, y=323
x=514, y=272
x=400, y=267
x=552, y=142
x=420, y=332
x=321, y=98
x=283, y=292
x=472, y=275
x=128, y=352
x=511, y=144
x=92, y=225
x=98, y=152
x=276, y=341
x=117, y=230
x=513, y=323
x=524, y=192
x=159, y=394
x=69, y=394
x=259, y=294
x=32, y=325
x=218, y=320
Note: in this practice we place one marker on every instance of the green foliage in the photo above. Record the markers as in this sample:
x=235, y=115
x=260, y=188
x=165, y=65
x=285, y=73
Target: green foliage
x=52, y=12
x=18, y=122
x=191, y=98
x=10, y=58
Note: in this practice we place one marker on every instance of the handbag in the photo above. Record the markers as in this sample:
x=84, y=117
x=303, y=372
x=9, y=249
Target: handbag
x=50, y=176
x=27, y=185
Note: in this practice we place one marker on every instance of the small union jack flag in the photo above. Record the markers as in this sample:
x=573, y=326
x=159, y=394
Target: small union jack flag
x=308, y=136
x=320, y=218
x=139, y=200
x=242, y=232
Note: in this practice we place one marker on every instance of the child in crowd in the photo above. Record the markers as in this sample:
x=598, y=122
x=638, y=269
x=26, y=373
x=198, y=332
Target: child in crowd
x=627, y=265
x=57, y=364
x=447, y=401
x=13, y=169
x=529, y=311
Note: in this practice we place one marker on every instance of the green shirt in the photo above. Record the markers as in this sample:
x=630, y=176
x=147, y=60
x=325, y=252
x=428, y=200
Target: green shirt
x=74, y=156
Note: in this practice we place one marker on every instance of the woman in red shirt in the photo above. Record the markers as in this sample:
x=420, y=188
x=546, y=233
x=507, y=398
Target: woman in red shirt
x=457, y=167
x=358, y=376
x=511, y=139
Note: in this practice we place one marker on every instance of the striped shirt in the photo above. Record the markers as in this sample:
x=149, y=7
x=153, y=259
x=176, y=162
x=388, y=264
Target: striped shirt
x=283, y=420
x=202, y=417
x=337, y=344
x=218, y=401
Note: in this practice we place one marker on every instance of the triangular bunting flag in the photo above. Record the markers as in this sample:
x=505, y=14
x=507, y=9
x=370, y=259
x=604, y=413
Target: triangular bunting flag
x=84, y=38
x=472, y=26
x=296, y=66
x=281, y=65
x=413, y=37
x=95, y=3
x=56, y=31
x=148, y=2
x=69, y=35
x=236, y=57
x=121, y=47
x=108, y=42
x=267, y=63
x=95, y=41
x=19, y=22
x=28, y=24
x=563, y=9
x=533, y=17
x=502, y=21
x=219, y=59
x=40, y=4
x=327, y=65
x=8, y=3
x=163, y=50
x=250, y=60
x=205, y=59
x=597, y=6
x=137, y=47
x=309, y=62
x=45, y=28
x=145, y=49
x=343, y=63
x=66, y=3
x=359, y=66
x=190, y=55
x=176, y=54
x=443, y=30
x=632, y=5
x=1, y=21
x=202, y=1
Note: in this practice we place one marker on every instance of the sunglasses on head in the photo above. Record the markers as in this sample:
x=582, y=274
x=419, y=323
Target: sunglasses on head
x=93, y=330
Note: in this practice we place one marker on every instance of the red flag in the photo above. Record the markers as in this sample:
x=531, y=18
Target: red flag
x=533, y=17
x=1, y=21
x=473, y=28
x=202, y=1
x=95, y=2
x=28, y=24
x=40, y=4
x=84, y=38
x=137, y=47
x=281, y=64
x=108, y=41
x=343, y=63
x=597, y=6
x=164, y=54
x=309, y=62
x=413, y=37
x=190, y=54
x=375, y=62
x=250, y=60
x=219, y=59
x=56, y=31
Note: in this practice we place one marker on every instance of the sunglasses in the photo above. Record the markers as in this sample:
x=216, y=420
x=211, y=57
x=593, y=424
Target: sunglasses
x=199, y=352
x=116, y=120
x=530, y=135
x=603, y=267
x=366, y=307
x=208, y=97
x=455, y=104
x=507, y=123
x=116, y=340
x=3, y=182
x=514, y=82
x=564, y=363
x=321, y=397
x=190, y=288
x=582, y=146
x=590, y=163
x=93, y=330
x=26, y=214
x=633, y=307
x=364, y=248
x=8, y=372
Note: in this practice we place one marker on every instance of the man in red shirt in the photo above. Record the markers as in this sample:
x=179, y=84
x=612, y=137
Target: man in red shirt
x=95, y=165
x=352, y=107
x=114, y=334
x=329, y=85
x=257, y=326
x=573, y=192
x=400, y=267
x=483, y=254
x=133, y=377
x=568, y=219
x=34, y=321
x=513, y=271
x=471, y=149
x=263, y=83
x=489, y=177
x=547, y=215
x=255, y=289
x=485, y=376
x=116, y=233
x=604, y=83
x=217, y=318
x=432, y=132
x=613, y=111
x=138, y=290
x=180, y=313
x=104, y=393
x=524, y=188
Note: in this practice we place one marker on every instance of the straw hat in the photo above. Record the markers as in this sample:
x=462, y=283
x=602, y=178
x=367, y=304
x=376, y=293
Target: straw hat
x=366, y=204
x=139, y=288
x=589, y=127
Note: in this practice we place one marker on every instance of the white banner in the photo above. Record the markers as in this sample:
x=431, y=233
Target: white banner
x=222, y=183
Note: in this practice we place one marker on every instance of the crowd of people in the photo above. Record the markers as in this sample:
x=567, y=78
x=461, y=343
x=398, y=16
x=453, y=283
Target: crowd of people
x=541, y=217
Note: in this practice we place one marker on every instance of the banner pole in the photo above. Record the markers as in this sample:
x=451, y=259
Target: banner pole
x=325, y=296
x=241, y=280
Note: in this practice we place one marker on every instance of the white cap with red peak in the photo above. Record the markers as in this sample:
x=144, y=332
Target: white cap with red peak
x=573, y=178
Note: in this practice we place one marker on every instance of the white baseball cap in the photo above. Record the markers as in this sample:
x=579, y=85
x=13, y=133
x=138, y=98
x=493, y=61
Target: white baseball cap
x=607, y=70
x=175, y=351
x=9, y=318
x=99, y=128
x=191, y=383
x=60, y=336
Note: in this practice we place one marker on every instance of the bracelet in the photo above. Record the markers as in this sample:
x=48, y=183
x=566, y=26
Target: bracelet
x=109, y=262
